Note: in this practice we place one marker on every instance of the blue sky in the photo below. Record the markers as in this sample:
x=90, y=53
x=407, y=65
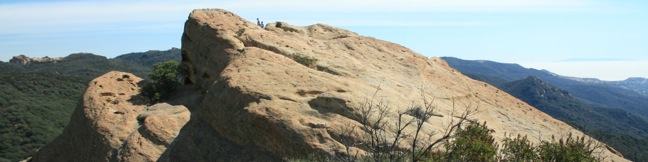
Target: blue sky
x=605, y=39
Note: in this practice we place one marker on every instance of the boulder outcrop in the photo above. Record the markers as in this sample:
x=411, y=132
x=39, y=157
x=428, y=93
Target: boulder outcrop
x=278, y=92
x=112, y=124
x=286, y=90
x=22, y=59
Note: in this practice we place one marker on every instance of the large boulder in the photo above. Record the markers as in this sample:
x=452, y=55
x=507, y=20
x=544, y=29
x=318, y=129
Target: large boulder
x=282, y=91
x=114, y=124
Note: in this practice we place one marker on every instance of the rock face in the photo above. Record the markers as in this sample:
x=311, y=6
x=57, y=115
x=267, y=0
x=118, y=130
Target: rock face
x=279, y=92
x=22, y=59
x=283, y=90
x=112, y=125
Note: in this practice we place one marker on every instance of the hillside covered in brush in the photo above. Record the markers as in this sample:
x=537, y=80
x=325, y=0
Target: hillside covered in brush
x=37, y=99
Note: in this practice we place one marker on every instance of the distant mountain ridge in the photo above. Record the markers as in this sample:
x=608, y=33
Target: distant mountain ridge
x=610, y=111
x=636, y=84
x=37, y=99
x=609, y=95
x=562, y=105
x=150, y=57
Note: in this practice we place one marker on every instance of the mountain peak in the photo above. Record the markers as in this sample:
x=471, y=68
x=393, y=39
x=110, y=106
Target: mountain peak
x=534, y=79
x=534, y=86
x=150, y=57
x=83, y=55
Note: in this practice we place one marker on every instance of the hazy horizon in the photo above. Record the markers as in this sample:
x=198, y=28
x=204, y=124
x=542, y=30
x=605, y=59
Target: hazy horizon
x=582, y=38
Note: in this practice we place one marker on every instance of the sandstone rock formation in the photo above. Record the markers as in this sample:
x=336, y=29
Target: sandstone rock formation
x=284, y=90
x=279, y=92
x=111, y=125
x=22, y=59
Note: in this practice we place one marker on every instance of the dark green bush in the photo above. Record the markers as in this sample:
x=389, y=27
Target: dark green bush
x=569, y=149
x=518, y=149
x=163, y=81
x=472, y=143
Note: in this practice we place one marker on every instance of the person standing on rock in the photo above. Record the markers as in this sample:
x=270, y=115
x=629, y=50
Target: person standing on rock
x=260, y=23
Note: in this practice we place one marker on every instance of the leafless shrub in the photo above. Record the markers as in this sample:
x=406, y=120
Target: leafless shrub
x=384, y=137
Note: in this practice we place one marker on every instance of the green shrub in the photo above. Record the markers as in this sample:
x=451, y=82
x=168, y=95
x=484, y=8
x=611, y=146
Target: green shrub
x=569, y=149
x=163, y=81
x=472, y=143
x=518, y=149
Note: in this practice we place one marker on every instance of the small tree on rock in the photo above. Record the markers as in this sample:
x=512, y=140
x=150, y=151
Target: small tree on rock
x=163, y=81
